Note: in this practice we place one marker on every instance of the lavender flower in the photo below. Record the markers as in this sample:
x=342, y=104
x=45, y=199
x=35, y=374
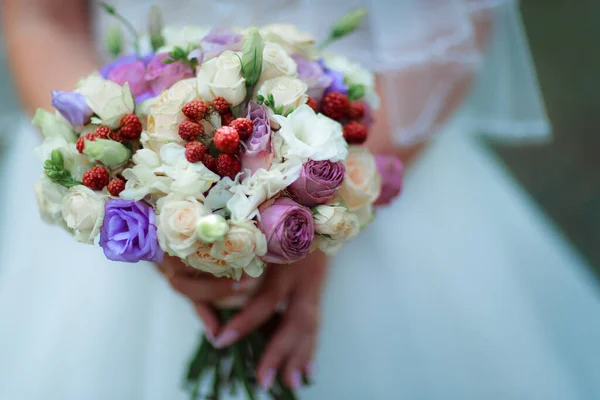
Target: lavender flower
x=318, y=183
x=257, y=152
x=218, y=40
x=313, y=74
x=161, y=76
x=337, y=80
x=72, y=106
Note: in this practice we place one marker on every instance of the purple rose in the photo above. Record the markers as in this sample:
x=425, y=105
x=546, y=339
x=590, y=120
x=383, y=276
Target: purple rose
x=391, y=170
x=289, y=230
x=337, y=80
x=161, y=76
x=72, y=106
x=130, y=69
x=129, y=232
x=313, y=74
x=318, y=183
x=257, y=152
x=218, y=40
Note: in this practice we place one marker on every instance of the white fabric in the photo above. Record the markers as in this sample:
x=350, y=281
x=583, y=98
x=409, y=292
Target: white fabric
x=461, y=290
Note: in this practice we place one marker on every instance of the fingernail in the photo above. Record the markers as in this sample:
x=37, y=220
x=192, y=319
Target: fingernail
x=296, y=379
x=310, y=369
x=267, y=380
x=210, y=336
x=225, y=339
x=237, y=286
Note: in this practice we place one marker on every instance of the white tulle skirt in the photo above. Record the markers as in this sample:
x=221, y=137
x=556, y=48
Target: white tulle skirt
x=461, y=290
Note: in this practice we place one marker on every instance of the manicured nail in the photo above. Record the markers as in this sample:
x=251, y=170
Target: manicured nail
x=225, y=339
x=310, y=369
x=296, y=379
x=267, y=380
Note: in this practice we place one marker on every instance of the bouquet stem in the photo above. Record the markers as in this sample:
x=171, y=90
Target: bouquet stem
x=233, y=367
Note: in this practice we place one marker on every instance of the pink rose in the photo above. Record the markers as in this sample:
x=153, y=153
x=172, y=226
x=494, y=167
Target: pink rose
x=318, y=183
x=161, y=76
x=391, y=170
x=132, y=73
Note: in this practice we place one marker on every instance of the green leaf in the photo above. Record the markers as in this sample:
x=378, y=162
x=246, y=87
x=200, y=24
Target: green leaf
x=252, y=57
x=57, y=158
x=356, y=92
x=108, y=8
x=291, y=110
x=271, y=99
x=168, y=61
x=279, y=110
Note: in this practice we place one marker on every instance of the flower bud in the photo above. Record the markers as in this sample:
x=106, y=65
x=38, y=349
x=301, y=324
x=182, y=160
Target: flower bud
x=348, y=23
x=252, y=56
x=212, y=228
x=53, y=126
x=108, y=152
x=72, y=106
x=155, y=27
x=114, y=39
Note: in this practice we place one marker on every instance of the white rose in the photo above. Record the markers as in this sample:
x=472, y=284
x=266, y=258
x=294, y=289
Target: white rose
x=276, y=62
x=177, y=217
x=202, y=260
x=335, y=225
x=192, y=179
x=354, y=74
x=261, y=186
x=290, y=37
x=83, y=211
x=109, y=100
x=212, y=228
x=75, y=163
x=242, y=247
x=288, y=93
x=222, y=77
x=182, y=36
x=307, y=135
x=362, y=183
x=49, y=197
x=142, y=178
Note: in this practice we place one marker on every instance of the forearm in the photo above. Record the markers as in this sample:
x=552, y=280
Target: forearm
x=49, y=47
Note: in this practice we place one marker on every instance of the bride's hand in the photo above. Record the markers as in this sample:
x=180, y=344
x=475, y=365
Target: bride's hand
x=291, y=348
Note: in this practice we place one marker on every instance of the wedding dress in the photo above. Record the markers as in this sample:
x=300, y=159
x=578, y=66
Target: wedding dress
x=460, y=290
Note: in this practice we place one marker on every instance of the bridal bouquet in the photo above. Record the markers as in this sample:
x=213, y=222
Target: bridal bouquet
x=229, y=149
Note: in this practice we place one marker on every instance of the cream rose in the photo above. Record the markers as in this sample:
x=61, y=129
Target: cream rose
x=362, y=183
x=242, y=247
x=177, y=218
x=288, y=93
x=307, y=135
x=202, y=260
x=222, y=77
x=335, y=225
x=277, y=62
x=83, y=211
x=290, y=37
x=49, y=197
x=109, y=100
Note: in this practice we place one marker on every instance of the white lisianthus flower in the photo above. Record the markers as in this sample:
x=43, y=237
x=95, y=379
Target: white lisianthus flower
x=220, y=194
x=182, y=36
x=277, y=62
x=242, y=248
x=362, y=182
x=335, y=225
x=307, y=135
x=288, y=93
x=289, y=37
x=222, y=77
x=53, y=125
x=142, y=178
x=83, y=211
x=108, y=100
x=355, y=74
x=75, y=163
x=177, y=217
x=49, y=197
x=261, y=186
x=192, y=179
x=203, y=260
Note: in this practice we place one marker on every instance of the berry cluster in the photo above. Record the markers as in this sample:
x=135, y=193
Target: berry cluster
x=226, y=140
x=336, y=106
x=130, y=128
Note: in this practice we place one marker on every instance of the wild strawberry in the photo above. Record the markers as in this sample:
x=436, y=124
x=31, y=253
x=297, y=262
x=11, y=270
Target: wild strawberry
x=227, y=140
x=227, y=118
x=312, y=103
x=116, y=186
x=355, y=132
x=195, y=110
x=102, y=132
x=209, y=162
x=96, y=178
x=220, y=105
x=131, y=127
x=190, y=130
x=335, y=105
x=244, y=127
x=228, y=165
x=356, y=111
x=195, y=151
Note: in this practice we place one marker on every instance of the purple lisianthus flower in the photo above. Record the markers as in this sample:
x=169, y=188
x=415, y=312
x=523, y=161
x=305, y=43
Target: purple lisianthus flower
x=318, y=183
x=161, y=76
x=391, y=170
x=130, y=69
x=129, y=232
x=257, y=152
x=313, y=74
x=72, y=106
x=218, y=40
x=289, y=229
x=337, y=80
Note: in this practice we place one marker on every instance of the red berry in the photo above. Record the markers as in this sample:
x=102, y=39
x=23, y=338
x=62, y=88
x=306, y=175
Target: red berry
x=220, y=105
x=228, y=165
x=356, y=111
x=116, y=186
x=335, y=105
x=227, y=140
x=102, y=132
x=209, y=162
x=96, y=178
x=195, y=151
x=355, y=132
x=116, y=136
x=80, y=145
x=190, y=130
x=244, y=127
x=195, y=110
x=312, y=103
x=227, y=118
x=131, y=127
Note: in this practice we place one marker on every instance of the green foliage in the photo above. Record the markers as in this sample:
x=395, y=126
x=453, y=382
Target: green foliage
x=54, y=168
